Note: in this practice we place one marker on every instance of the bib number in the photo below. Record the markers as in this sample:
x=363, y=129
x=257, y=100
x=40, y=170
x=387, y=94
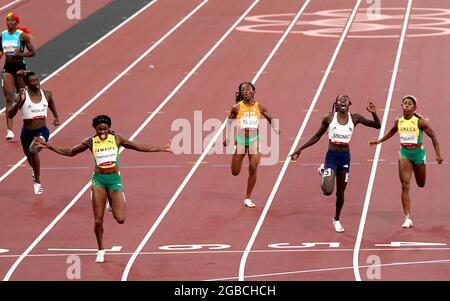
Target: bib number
x=249, y=123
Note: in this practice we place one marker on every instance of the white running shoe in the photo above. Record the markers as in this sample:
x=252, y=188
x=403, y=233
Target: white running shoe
x=108, y=206
x=337, y=226
x=9, y=134
x=407, y=223
x=38, y=188
x=248, y=203
x=100, y=256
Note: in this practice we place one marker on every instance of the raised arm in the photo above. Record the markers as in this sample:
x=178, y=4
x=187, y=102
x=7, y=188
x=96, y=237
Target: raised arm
x=79, y=148
x=387, y=135
x=267, y=115
x=121, y=141
x=323, y=128
x=425, y=126
x=231, y=117
x=375, y=123
x=52, y=107
x=19, y=99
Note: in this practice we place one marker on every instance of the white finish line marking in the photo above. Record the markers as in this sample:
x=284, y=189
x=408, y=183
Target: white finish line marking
x=409, y=244
x=113, y=249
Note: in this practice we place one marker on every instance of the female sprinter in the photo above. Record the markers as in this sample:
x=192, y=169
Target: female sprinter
x=13, y=42
x=248, y=113
x=340, y=124
x=410, y=127
x=34, y=103
x=106, y=180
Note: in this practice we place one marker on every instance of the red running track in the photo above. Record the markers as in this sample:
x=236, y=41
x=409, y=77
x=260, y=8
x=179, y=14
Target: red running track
x=209, y=210
x=421, y=74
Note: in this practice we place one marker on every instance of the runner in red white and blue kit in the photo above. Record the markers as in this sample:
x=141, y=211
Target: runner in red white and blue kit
x=33, y=103
x=340, y=125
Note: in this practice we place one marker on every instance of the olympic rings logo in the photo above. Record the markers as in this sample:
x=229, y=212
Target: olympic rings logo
x=424, y=22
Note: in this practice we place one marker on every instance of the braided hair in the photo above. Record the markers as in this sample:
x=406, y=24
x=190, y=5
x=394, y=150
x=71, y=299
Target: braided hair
x=239, y=96
x=335, y=108
x=101, y=119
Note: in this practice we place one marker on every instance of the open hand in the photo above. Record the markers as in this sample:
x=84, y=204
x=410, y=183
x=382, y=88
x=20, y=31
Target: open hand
x=371, y=107
x=38, y=143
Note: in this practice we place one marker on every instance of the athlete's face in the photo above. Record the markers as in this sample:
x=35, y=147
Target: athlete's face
x=343, y=103
x=247, y=92
x=408, y=106
x=11, y=23
x=102, y=130
x=33, y=82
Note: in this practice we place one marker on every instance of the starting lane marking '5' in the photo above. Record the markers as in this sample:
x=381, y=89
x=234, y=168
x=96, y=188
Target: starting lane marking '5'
x=285, y=245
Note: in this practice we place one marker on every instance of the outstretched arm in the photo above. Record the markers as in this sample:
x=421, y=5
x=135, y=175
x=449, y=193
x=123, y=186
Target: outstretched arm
x=121, y=141
x=425, y=126
x=375, y=123
x=323, y=128
x=79, y=148
x=266, y=114
x=386, y=136
x=231, y=118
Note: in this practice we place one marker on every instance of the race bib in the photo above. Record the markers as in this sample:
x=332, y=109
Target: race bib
x=249, y=123
x=408, y=138
x=106, y=158
x=9, y=47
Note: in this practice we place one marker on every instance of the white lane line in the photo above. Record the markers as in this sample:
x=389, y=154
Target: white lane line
x=206, y=150
x=336, y=269
x=378, y=150
x=111, y=83
x=113, y=249
x=83, y=190
x=94, y=251
x=9, y=4
x=294, y=145
x=92, y=45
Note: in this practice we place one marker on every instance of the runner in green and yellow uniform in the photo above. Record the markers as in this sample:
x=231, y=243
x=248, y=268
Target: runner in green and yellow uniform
x=106, y=180
x=410, y=127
